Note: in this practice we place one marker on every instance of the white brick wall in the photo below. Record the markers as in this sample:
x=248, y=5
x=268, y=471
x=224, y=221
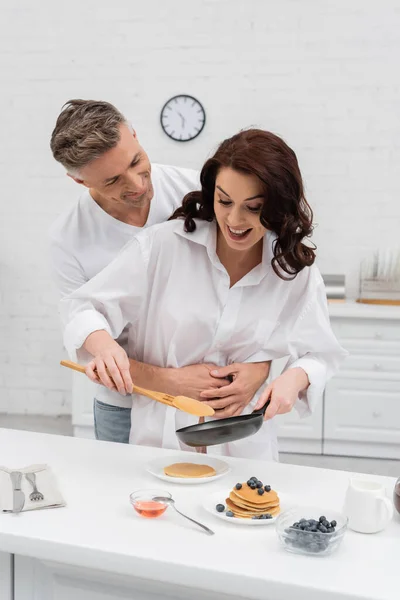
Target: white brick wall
x=324, y=75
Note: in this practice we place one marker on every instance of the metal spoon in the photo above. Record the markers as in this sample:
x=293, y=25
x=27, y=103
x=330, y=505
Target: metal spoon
x=171, y=502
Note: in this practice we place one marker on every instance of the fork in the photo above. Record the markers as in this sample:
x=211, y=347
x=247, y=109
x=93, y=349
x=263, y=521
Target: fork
x=35, y=495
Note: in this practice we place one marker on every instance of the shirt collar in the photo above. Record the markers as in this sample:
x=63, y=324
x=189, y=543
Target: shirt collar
x=205, y=235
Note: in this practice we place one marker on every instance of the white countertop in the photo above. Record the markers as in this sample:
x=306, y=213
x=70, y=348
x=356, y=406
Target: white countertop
x=352, y=309
x=100, y=530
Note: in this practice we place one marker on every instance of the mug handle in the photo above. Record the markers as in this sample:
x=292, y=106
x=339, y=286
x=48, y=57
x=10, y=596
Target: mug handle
x=386, y=510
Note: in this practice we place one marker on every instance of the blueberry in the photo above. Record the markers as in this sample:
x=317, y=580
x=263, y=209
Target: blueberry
x=229, y=513
x=259, y=484
x=249, y=482
x=292, y=532
x=302, y=521
x=295, y=524
x=326, y=523
x=268, y=516
x=255, y=517
x=323, y=529
x=238, y=486
x=303, y=525
x=260, y=491
x=267, y=488
x=330, y=529
x=253, y=486
x=323, y=544
x=313, y=528
x=333, y=523
x=253, y=478
x=220, y=507
x=322, y=519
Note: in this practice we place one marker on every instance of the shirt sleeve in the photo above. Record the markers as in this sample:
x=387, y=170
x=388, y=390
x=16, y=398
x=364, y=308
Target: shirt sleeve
x=110, y=301
x=314, y=347
x=67, y=272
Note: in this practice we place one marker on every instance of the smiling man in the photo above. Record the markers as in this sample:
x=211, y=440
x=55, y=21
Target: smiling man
x=122, y=194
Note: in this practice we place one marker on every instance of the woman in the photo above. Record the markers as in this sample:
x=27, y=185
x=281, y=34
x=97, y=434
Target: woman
x=233, y=282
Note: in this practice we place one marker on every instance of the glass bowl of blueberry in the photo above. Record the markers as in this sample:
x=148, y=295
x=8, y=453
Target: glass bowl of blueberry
x=309, y=530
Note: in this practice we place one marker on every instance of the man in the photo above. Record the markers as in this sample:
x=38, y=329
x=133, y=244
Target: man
x=124, y=192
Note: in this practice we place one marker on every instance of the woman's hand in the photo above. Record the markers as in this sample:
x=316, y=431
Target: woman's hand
x=283, y=392
x=231, y=399
x=110, y=365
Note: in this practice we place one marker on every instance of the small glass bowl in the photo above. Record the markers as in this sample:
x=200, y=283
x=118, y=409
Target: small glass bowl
x=142, y=501
x=309, y=542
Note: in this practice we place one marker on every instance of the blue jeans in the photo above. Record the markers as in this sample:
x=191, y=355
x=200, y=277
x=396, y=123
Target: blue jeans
x=111, y=423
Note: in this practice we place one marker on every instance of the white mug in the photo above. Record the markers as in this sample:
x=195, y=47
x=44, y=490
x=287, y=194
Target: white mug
x=367, y=507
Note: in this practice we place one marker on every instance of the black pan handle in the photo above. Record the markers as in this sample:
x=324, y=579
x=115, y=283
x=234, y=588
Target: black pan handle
x=261, y=411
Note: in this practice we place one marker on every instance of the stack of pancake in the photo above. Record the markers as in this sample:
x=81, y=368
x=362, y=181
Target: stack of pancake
x=247, y=503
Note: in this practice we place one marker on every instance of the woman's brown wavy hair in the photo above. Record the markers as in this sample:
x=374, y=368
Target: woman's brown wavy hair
x=285, y=210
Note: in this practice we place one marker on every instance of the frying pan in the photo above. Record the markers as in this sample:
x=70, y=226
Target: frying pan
x=224, y=430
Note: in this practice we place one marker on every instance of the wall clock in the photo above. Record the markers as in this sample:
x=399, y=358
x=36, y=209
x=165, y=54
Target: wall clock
x=183, y=118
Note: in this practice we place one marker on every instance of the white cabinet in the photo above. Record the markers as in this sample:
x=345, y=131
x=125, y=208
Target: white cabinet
x=360, y=412
x=362, y=416
x=42, y=580
x=362, y=403
x=298, y=435
x=6, y=576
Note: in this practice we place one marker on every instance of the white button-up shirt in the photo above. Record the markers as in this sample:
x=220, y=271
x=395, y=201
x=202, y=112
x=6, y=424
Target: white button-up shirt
x=172, y=291
x=85, y=239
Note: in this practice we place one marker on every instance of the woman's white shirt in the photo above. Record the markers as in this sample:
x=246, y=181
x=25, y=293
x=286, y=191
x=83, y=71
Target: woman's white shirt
x=169, y=287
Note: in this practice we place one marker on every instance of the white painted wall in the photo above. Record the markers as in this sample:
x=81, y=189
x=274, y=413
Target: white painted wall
x=324, y=75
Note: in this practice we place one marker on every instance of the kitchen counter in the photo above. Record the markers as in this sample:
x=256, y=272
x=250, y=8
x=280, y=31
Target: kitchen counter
x=357, y=310
x=98, y=548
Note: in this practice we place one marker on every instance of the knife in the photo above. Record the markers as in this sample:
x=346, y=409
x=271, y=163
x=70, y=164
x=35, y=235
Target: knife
x=18, y=494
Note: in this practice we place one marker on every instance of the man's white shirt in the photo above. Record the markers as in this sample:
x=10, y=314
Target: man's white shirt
x=85, y=239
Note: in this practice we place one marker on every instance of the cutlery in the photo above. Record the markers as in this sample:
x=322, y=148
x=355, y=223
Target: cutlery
x=35, y=495
x=171, y=502
x=184, y=403
x=18, y=494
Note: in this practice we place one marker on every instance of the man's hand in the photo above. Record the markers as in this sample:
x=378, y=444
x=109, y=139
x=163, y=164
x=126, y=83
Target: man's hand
x=232, y=398
x=283, y=392
x=194, y=379
x=109, y=360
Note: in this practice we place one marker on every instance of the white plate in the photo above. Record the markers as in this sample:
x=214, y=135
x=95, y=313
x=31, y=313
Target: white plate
x=211, y=502
x=156, y=468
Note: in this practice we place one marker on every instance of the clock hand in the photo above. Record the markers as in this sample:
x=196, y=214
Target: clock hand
x=183, y=119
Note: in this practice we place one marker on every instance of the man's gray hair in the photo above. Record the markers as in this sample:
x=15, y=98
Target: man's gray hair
x=85, y=129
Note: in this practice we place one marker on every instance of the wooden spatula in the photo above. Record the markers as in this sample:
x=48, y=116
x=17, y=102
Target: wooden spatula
x=189, y=405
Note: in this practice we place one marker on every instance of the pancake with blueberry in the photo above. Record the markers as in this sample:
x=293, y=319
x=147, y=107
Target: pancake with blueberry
x=253, y=499
x=239, y=502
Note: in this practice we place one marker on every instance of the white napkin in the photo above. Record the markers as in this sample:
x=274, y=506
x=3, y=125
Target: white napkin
x=45, y=483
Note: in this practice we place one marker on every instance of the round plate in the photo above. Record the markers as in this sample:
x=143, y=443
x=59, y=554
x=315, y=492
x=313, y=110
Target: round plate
x=211, y=501
x=156, y=468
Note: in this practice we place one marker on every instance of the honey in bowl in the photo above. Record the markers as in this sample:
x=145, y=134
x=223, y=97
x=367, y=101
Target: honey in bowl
x=144, y=504
x=149, y=508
